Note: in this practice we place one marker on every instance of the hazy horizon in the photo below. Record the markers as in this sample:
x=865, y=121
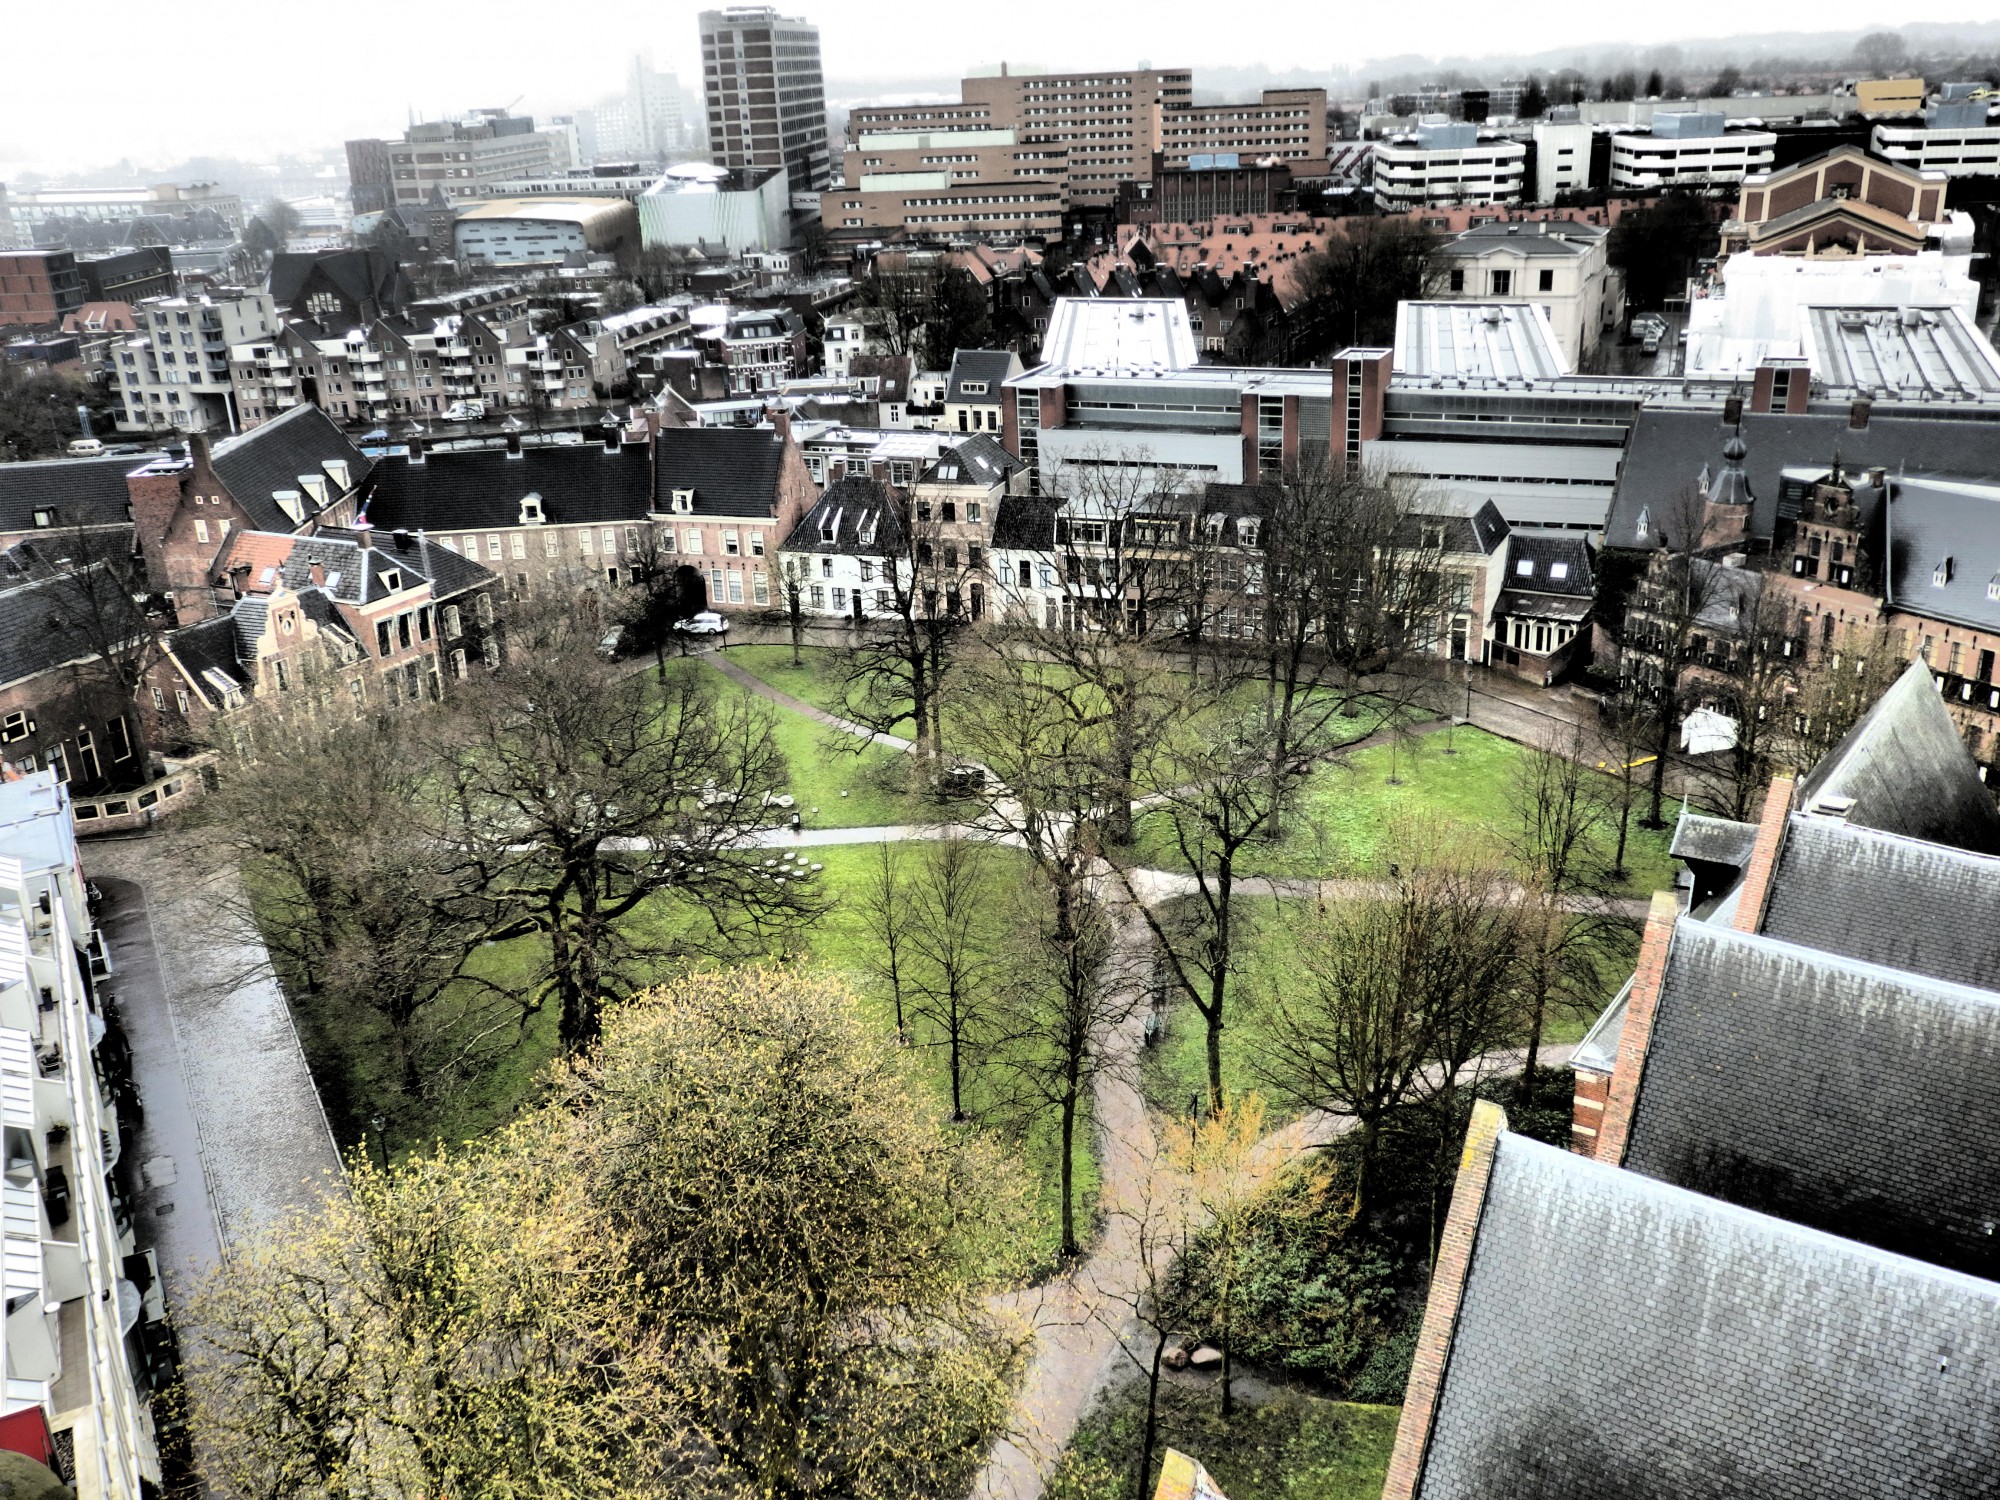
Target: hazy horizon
x=264, y=90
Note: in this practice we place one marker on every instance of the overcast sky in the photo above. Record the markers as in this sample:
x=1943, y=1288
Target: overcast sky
x=124, y=79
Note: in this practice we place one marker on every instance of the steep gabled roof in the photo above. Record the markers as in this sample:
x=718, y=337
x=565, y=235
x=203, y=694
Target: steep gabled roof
x=1903, y=769
x=41, y=624
x=483, y=487
x=257, y=464
x=1882, y=898
x=1557, y=564
x=977, y=460
x=1025, y=523
x=1944, y=548
x=1853, y=1098
x=992, y=366
x=1620, y=1337
x=856, y=517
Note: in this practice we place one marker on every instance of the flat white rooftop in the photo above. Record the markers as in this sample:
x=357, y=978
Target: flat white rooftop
x=1477, y=341
x=1119, y=336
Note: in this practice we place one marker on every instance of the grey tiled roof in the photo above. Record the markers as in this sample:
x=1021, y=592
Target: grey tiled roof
x=1025, y=523
x=1620, y=1337
x=1906, y=771
x=990, y=365
x=1932, y=520
x=977, y=460
x=81, y=491
x=733, y=471
x=1857, y=1099
x=1715, y=840
x=40, y=624
x=1885, y=899
x=482, y=487
x=1546, y=551
x=851, y=506
x=1667, y=449
x=272, y=457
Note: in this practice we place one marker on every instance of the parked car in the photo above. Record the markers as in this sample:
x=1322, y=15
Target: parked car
x=614, y=639
x=708, y=622
x=465, y=411
x=85, y=448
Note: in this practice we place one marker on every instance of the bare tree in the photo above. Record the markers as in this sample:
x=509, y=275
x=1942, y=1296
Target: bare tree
x=572, y=797
x=954, y=938
x=886, y=905
x=1391, y=995
x=1562, y=807
x=1062, y=1013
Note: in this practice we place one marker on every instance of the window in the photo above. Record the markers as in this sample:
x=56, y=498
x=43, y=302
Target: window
x=583, y=542
x=826, y=567
x=1502, y=283
x=283, y=675
x=816, y=596
x=493, y=548
x=550, y=543
x=485, y=609
x=840, y=601
x=607, y=542
x=760, y=587
x=1246, y=531
x=1525, y=568
x=519, y=547
x=1458, y=280
x=45, y=516
x=731, y=545
x=867, y=571
x=159, y=700
x=948, y=510
x=16, y=726
x=403, y=631
x=423, y=624
x=1025, y=575
x=735, y=587
x=200, y=530
x=1546, y=281
x=382, y=647
x=972, y=512
x=451, y=622
x=692, y=543
x=472, y=546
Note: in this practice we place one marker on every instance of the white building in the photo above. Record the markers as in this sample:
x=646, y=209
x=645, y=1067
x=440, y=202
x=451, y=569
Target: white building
x=646, y=122
x=1560, y=267
x=80, y=1334
x=1446, y=163
x=1954, y=139
x=1692, y=148
x=1757, y=307
x=1562, y=155
x=176, y=373
x=845, y=336
x=698, y=204
x=543, y=231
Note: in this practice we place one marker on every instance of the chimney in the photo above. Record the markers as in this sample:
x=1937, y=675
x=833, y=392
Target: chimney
x=781, y=421
x=513, y=445
x=1879, y=478
x=416, y=450
x=1755, y=890
x=317, y=572
x=1732, y=411
x=402, y=539
x=612, y=437
x=364, y=533
x=1857, y=415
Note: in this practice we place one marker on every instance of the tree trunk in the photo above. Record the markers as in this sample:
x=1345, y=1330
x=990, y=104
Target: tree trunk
x=957, y=1101
x=1152, y=1437
x=1658, y=779
x=1069, y=1246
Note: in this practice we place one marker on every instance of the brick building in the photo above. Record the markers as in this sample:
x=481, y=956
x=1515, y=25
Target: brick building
x=39, y=288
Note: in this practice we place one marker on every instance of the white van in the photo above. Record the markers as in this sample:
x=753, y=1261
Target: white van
x=85, y=448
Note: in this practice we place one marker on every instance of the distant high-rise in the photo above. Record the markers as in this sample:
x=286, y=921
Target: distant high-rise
x=765, y=98
x=644, y=123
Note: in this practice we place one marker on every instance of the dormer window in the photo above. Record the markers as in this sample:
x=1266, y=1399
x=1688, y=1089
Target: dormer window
x=1246, y=531
x=972, y=387
x=1942, y=573
x=392, y=580
x=45, y=516
x=1993, y=587
x=531, y=509
x=683, y=502
x=1525, y=568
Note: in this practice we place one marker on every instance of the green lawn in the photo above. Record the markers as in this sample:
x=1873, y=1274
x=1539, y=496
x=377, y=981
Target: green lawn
x=1348, y=812
x=816, y=682
x=1293, y=1446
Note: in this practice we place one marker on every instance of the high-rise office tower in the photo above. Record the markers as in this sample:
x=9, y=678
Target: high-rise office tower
x=765, y=98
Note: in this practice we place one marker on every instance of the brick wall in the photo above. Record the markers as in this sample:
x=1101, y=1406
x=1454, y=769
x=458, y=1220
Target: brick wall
x=1454, y=1261
x=1593, y=1092
x=1640, y=1007
x=1756, y=889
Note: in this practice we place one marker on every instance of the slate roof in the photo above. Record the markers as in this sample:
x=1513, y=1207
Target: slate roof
x=1025, y=523
x=208, y=646
x=271, y=457
x=1622, y=1337
x=1850, y=1097
x=977, y=460
x=1931, y=519
x=1667, y=449
x=733, y=471
x=355, y=576
x=482, y=487
x=36, y=627
x=1907, y=771
x=841, y=516
x=1885, y=899
x=1564, y=241
x=990, y=365
x=1480, y=533
x=1720, y=841
x=82, y=491
x=1547, y=552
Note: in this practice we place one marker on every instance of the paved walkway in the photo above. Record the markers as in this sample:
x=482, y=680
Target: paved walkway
x=216, y=1051
x=763, y=689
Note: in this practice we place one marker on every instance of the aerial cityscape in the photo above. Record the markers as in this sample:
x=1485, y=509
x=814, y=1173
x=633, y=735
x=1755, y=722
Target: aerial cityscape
x=1254, y=764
